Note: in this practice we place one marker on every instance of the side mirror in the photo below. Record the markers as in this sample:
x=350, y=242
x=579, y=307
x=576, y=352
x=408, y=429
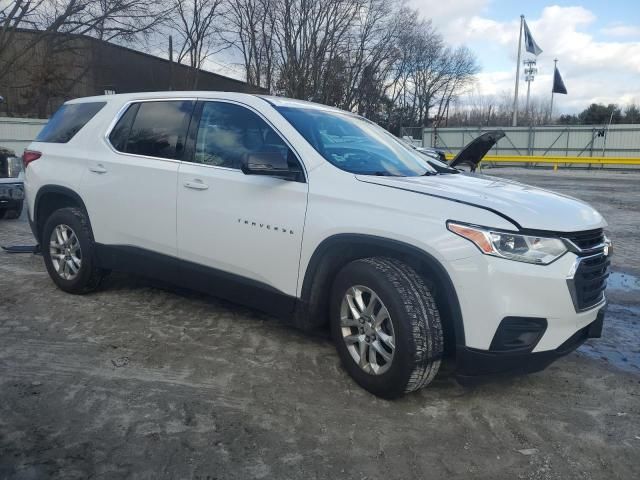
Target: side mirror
x=271, y=164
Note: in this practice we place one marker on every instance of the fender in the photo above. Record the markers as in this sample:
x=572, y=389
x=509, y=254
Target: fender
x=319, y=271
x=43, y=190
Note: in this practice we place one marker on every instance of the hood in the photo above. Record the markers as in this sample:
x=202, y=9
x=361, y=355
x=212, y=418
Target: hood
x=477, y=149
x=529, y=207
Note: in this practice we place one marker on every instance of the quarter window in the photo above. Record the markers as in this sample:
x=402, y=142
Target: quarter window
x=67, y=121
x=120, y=133
x=227, y=133
x=154, y=129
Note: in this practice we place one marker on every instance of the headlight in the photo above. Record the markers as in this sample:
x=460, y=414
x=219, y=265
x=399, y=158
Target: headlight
x=14, y=165
x=513, y=246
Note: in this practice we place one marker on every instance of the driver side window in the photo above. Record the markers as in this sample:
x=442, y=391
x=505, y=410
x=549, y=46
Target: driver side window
x=228, y=133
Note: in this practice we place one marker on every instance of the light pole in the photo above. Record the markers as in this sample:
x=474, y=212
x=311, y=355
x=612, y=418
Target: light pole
x=530, y=71
x=514, y=121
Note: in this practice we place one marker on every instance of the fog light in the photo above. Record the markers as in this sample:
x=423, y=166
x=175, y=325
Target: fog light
x=518, y=333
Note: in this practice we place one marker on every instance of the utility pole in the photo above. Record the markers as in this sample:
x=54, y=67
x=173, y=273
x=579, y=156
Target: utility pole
x=530, y=71
x=170, y=62
x=514, y=123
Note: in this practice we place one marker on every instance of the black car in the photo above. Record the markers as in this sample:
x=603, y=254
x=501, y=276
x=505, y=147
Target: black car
x=11, y=185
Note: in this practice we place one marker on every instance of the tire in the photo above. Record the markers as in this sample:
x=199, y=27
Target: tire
x=13, y=213
x=88, y=275
x=413, y=319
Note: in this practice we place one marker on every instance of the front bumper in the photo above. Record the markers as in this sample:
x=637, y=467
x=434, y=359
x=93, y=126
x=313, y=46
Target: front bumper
x=491, y=289
x=473, y=364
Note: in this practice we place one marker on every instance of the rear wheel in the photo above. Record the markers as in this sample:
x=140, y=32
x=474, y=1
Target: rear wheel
x=386, y=326
x=69, y=253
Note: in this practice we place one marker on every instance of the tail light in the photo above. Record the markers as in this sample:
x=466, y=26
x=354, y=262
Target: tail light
x=29, y=156
x=14, y=167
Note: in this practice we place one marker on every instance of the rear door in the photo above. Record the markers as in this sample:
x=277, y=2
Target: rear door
x=130, y=188
x=245, y=229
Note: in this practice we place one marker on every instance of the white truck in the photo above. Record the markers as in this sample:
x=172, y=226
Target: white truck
x=323, y=218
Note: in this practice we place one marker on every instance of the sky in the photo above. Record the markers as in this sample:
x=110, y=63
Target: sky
x=597, y=44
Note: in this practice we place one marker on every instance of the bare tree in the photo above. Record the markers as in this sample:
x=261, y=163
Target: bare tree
x=371, y=49
x=495, y=110
x=418, y=72
x=198, y=25
x=39, y=47
x=309, y=35
x=252, y=33
x=374, y=57
x=461, y=68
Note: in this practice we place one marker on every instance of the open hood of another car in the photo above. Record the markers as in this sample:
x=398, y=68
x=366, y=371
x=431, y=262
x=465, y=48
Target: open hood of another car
x=477, y=149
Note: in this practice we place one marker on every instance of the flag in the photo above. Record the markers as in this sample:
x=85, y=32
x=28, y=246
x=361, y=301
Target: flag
x=558, y=84
x=530, y=44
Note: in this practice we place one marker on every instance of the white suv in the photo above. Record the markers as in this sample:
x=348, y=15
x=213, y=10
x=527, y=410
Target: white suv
x=321, y=217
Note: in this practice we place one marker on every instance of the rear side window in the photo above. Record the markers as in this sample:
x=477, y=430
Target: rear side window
x=154, y=129
x=67, y=121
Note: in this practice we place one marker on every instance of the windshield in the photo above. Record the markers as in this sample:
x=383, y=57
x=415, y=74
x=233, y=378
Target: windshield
x=355, y=144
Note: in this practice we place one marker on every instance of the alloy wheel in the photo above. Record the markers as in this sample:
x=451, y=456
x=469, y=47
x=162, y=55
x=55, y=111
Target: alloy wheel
x=65, y=252
x=367, y=330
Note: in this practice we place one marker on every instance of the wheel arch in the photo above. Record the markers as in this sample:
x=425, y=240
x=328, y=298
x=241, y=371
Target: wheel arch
x=338, y=250
x=49, y=199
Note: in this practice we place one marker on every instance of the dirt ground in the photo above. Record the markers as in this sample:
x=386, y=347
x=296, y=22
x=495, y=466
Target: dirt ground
x=143, y=381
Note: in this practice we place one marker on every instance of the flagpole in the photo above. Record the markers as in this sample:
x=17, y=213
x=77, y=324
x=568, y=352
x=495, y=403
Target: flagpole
x=514, y=123
x=555, y=67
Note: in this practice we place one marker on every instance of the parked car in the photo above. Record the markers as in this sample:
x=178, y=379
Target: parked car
x=436, y=153
x=321, y=217
x=469, y=157
x=430, y=152
x=11, y=185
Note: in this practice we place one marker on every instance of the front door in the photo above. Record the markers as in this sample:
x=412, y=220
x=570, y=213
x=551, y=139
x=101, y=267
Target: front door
x=243, y=230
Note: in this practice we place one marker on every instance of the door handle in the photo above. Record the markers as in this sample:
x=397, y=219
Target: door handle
x=196, y=185
x=98, y=169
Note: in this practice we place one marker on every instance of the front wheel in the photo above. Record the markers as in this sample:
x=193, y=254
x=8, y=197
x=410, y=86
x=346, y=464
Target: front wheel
x=386, y=326
x=69, y=251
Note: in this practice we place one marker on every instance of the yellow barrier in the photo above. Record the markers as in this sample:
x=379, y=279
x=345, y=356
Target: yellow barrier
x=559, y=159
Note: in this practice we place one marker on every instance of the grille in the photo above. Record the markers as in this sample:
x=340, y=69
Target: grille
x=590, y=280
x=588, y=239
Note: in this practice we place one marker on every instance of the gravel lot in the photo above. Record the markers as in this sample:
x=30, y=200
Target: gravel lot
x=140, y=380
